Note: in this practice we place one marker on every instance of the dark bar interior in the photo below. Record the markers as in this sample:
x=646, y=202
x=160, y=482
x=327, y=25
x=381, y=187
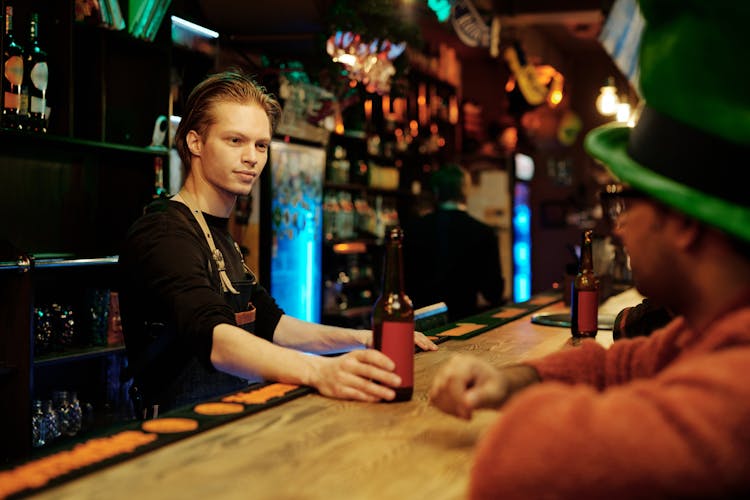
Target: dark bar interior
x=455, y=173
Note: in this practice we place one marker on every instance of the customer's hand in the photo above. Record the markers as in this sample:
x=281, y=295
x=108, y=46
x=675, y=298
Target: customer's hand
x=466, y=383
x=362, y=375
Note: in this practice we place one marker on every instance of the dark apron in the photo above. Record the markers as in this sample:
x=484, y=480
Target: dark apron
x=194, y=382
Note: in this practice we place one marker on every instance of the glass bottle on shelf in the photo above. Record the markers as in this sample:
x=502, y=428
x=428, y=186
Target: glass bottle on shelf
x=51, y=422
x=38, y=427
x=12, y=74
x=76, y=414
x=38, y=71
x=345, y=216
x=62, y=407
x=330, y=217
x=393, y=316
x=584, y=308
x=43, y=330
x=338, y=171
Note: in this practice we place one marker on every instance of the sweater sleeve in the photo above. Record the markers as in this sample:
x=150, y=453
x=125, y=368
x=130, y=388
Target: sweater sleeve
x=623, y=361
x=681, y=434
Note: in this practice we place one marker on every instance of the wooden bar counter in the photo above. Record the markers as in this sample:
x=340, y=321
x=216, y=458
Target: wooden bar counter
x=318, y=448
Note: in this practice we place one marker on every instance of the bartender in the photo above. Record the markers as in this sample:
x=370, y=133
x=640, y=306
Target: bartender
x=196, y=321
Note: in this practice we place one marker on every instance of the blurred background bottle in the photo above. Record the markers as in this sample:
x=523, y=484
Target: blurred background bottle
x=393, y=316
x=584, y=308
x=38, y=427
x=38, y=76
x=51, y=422
x=12, y=74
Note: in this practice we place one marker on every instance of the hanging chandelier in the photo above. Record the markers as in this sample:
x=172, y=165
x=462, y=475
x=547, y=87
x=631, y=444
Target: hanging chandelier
x=366, y=62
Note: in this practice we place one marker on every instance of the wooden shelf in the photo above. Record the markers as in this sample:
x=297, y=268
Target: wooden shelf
x=35, y=142
x=67, y=263
x=24, y=264
x=76, y=355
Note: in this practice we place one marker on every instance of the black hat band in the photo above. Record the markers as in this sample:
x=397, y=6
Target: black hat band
x=690, y=156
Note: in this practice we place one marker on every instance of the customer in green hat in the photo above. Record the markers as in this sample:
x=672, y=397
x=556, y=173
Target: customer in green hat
x=664, y=416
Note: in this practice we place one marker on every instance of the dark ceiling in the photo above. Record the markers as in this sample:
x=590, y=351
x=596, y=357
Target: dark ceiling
x=295, y=27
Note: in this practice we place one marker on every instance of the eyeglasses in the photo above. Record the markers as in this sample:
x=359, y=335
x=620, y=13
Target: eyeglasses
x=615, y=200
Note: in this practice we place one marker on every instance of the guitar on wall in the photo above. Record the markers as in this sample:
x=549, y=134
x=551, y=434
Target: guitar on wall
x=532, y=91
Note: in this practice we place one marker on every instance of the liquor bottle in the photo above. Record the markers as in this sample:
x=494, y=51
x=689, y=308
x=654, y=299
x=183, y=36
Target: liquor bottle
x=393, y=317
x=36, y=66
x=159, y=190
x=12, y=74
x=584, y=308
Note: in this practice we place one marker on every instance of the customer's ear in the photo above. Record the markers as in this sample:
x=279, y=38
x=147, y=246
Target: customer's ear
x=687, y=231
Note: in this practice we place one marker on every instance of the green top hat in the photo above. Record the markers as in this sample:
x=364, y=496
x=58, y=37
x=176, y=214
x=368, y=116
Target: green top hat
x=691, y=144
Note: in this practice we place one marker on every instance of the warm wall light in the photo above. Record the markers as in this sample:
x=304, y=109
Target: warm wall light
x=368, y=109
x=623, y=112
x=555, y=89
x=607, y=101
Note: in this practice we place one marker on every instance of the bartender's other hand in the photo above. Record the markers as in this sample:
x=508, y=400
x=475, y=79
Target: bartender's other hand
x=421, y=341
x=362, y=375
x=465, y=384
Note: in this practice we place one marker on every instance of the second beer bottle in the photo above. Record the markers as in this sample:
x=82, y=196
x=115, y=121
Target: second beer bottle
x=584, y=307
x=393, y=317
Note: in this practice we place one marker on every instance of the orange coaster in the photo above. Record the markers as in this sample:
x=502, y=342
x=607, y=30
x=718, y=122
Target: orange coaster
x=460, y=329
x=39, y=472
x=218, y=408
x=509, y=312
x=169, y=425
x=260, y=396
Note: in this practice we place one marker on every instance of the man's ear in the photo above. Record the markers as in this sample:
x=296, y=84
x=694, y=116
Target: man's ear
x=194, y=144
x=688, y=230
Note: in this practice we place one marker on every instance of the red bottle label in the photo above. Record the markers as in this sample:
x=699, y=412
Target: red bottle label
x=398, y=344
x=588, y=305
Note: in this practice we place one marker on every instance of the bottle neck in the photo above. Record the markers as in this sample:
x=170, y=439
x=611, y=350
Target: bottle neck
x=587, y=260
x=393, y=278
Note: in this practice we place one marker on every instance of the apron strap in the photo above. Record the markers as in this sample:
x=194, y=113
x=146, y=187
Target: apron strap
x=226, y=284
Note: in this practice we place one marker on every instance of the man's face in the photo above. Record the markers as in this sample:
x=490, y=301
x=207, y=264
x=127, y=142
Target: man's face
x=644, y=229
x=234, y=150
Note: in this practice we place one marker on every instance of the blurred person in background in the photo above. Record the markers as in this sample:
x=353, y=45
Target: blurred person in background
x=449, y=256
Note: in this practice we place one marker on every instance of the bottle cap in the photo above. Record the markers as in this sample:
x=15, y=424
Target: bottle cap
x=395, y=233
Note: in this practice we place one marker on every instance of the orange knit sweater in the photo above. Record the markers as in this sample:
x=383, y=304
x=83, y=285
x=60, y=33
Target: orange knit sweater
x=665, y=416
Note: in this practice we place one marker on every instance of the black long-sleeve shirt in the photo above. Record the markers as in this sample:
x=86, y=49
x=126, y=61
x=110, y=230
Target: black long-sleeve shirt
x=171, y=300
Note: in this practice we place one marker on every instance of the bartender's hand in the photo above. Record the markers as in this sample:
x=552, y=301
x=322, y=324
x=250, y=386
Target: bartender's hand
x=361, y=375
x=466, y=383
x=421, y=341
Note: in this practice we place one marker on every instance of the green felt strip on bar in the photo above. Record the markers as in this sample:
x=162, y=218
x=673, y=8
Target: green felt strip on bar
x=493, y=318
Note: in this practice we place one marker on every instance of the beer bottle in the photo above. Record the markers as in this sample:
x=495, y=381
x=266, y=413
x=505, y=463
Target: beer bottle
x=393, y=317
x=584, y=308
